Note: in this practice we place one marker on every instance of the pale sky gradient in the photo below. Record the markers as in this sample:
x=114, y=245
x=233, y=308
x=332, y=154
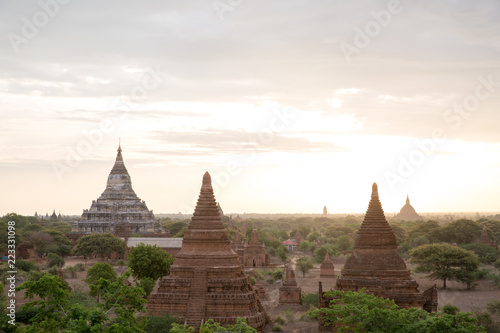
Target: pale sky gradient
x=265, y=94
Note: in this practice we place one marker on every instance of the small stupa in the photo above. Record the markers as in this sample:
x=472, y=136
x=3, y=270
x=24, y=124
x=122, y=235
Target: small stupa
x=290, y=293
x=327, y=269
x=408, y=213
x=254, y=253
x=207, y=280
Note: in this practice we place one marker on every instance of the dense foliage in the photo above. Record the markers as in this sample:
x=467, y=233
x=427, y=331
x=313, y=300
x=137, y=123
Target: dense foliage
x=359, y=312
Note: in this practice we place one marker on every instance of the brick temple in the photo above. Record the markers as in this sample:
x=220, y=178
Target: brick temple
x=377, y=266
x=118, y=210
x=207, y=279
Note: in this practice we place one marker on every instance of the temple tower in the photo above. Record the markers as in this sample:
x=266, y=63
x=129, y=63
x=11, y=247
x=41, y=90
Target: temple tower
x=118, y=210
x=298, y=237
x=376, y=264
x=207, y=280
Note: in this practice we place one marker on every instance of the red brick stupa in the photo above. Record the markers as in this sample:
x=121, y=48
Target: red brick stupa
x=327, y=269
x=376, y=264
x=254, y=253
x=207, y=280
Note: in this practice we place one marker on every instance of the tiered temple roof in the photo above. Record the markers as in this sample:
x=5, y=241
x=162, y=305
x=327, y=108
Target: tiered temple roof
x=376, y=264
x=408, y=213
x=207, y=280
x=254, y=253
x=118, y=207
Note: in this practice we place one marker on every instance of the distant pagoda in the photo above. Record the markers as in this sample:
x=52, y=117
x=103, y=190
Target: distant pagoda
x=207, y=280
x=485, y=238
x=376, y=264
x=118, y=210
x=408, y=213
x=298, y=237
x=254, y=253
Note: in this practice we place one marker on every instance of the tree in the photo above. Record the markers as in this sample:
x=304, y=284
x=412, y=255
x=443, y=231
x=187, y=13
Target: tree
x=124, y=301
x=399, y=232
x=304, y=265
x=359, y=312
x=313, y=237
x=40, y=240
x=282, y=253
x=241, y=326
x=486, y=253
x=55, y=260
x=460, y=232
x=20, y=220
x=160, y=324
x=149, y=261
x=445, y=262
x=100, y=270
x=319, y=254
x=344, y=243
x=305, y=246
x=174, y=226
x=52, y=310
x=99, y=244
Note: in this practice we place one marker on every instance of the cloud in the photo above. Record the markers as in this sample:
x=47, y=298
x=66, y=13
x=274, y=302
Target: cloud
x=220, y=141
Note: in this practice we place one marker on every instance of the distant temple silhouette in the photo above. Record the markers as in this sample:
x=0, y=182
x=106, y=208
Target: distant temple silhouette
x=408, y=213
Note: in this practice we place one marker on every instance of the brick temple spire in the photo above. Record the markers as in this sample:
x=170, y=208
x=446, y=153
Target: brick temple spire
x=207, y=280
x=376, y=264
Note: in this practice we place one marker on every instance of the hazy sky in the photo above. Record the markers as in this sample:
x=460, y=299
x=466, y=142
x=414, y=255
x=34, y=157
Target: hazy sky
x=290, y=105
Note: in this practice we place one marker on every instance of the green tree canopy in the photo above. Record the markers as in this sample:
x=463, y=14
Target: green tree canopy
x=99, y=244
x=20, y=220
x=304, y=265
x=359, y=312
x=486, y=253
x=344, y=243
x=445, y=262
x=100, y=270
x=460, y=232
x=149, y=261
x=54, y=312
